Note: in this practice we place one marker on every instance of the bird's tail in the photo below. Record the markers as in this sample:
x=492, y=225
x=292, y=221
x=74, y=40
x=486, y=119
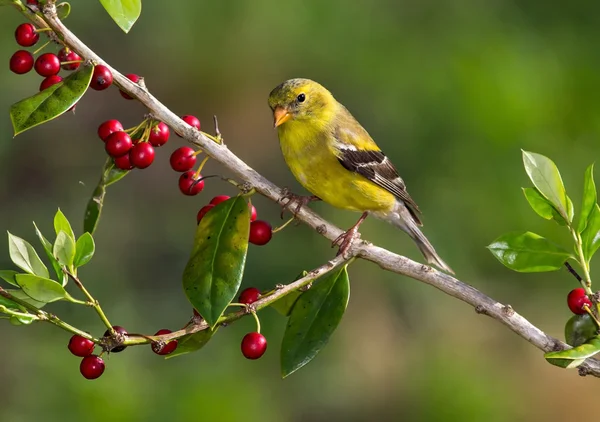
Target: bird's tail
x=402, y=218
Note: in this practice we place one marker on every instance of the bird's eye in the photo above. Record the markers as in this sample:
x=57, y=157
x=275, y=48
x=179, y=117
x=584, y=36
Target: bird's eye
x=301, y=98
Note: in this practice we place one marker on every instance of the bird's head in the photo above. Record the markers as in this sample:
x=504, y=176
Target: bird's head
x=300, y=99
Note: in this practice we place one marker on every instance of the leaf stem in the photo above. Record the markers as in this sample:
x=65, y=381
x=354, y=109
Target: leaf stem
x=94, y=303
x=586, y=307
x=586, y=283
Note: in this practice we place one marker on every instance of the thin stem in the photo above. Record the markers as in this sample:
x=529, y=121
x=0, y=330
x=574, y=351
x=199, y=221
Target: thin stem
x=257, y=321
x=586, y=307
x=284, y=225
x=8, y=311
x=42, y=47
x=573, y=272
x=93, y=302
x=586, y=283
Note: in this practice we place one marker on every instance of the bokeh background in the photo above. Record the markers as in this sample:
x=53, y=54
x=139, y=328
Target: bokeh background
x=451, y=90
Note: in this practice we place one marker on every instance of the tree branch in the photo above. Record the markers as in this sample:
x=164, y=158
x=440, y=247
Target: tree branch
x=382, y=257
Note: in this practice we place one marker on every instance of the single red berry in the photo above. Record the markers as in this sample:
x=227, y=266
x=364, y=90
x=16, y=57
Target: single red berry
x=249, y=295
x=108, y=128
x=191, y=120
x=142, y=155
x=91, y=367
x=260, y=232
x=21, y=62
x=33, y=2
x=168, y=347
x=118, y=144
x=188, y=185
x=102, y=78
x=218, y=199
x=67, y=55
x=183, y=159
x=123, y=162
x=576, y=299
x=253, y=213
x=254, y=345
x=49, y=81
x=159, y=134
x=203, y=212
x=81, y=346
x=47, y=64
x=133, y=78
x=26, y=35
x=121, y=331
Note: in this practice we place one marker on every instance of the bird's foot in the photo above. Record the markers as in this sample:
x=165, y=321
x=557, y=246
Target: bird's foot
x=288, y=198
x=345, y=241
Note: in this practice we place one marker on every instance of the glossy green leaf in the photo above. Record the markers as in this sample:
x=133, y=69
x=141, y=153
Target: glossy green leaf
x=21, y=295
x=285, y=304
x=84, y=250
x=9, y=277
x=572, y=358
x=64, y=249
x=48, y=248
x=192, y=342
x=590, y=236
x=10, y=304
x=42, y=289
x=25, y=257
x=570, y=209
x=313, y=319
x=61, y=223
x=542, y=206
x=214, y=272
x=51, y=102
x=17, y=319
x=579, y=329
x=123, y=12
x=589, y=198
x=546, y=178
x=528, y=252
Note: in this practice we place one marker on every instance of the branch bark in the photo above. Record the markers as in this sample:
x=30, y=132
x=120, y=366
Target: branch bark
x=387, y=260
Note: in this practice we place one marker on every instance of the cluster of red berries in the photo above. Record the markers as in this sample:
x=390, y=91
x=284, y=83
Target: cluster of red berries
x=578, y=300
x=92, y=366
x=261, y=231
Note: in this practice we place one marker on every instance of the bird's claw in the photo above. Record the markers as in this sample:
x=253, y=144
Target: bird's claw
x=289, y=198
x=345, y=241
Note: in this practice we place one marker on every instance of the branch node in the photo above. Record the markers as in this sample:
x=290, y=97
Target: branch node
x=279, y=286
x=306, y=287
x=322, y=229
x=480, y=309
x=508, y=310
x=583, y=371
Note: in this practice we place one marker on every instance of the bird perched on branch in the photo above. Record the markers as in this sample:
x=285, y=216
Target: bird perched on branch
x=334, y=158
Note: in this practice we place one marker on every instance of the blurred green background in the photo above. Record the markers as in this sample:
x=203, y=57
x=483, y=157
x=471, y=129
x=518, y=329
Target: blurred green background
x=451, y=90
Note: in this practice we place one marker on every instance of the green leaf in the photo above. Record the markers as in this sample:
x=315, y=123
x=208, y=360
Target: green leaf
x=10, y=304
x=63, y=10
x=590, y=237
x=17, y=320
x=51, y=102
x=579, y=329
x=589, y=199
x=572, y=358
x=84, y=250
x=20, y=294
x=528, y=252
x=48, y=248
x=570, y=209
x=61, y=223
x=9, y=277
x=123, y=12
x=42, y=289
x=192, y=342
x=214, y=272
x=546, y=178
x=25, y=257
x=542, y=206
x=64, y=249
x=7, y=2
x=314, y=317
x=284, y=305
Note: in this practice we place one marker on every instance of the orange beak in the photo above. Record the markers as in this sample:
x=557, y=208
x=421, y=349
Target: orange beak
x=280, y=116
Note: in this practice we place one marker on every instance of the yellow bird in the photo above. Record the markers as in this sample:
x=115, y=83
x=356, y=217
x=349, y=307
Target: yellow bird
x=334, y=158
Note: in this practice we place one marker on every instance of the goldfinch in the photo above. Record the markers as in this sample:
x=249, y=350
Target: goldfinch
x=334, y=158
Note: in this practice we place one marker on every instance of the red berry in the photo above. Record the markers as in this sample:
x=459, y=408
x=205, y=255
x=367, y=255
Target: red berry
x=254, y=345
x=119, y=330
x=47, y=64
x=576, y=299
x=260, y=232
x=123, y=162
x=67, y=55
x=26, y=35
x=133, y=78
x=21, y=62
x=118, y=144
x=218, y=199
x=168, y=347
x=108, y=128
x=190, y=186
x=253, y=214
x=141, y=155
x=191, y=120
x=249, y=295
x=102, y=78
x=183, y=159
x=203, y=212
x=91, y=367
x=159, y=134
x=49, y=81
x=81, y=346
x=33, y=2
